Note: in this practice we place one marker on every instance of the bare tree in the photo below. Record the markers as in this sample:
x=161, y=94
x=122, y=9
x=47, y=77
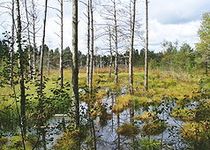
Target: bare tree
x=133, y=20
x=91, y=48
x=88, y=43
x=110, y=49
x=29, y=40
x=75, y=67
x=22, y=79
x=61, y=53
x=34, y=18
x=116, y=41
x=146, y=51
x=12, y=43
x=41, y=121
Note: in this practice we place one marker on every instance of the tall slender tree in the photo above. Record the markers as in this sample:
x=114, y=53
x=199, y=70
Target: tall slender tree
x=41, y=84
x=91, y=48
x=88, y=43
x=34, y=18
x=22, y=78
x=116, y=41
x=75, y=66
x=133, y=20
x=146, y=50
x=12, y=43
x=29, y=40
x=61, y=53
x=110, y=49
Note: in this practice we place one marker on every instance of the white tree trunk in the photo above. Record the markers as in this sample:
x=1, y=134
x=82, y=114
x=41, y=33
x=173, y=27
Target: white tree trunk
x=146, y=51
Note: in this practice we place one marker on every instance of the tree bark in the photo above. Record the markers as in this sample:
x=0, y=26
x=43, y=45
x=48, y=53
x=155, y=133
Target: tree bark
x=88, y=45
x=34, y=38
x=22, y=79
x=116, y=42
x=29, y=41
x=146, y=51
x=133, y=20
x=75, y=69
x=41, y=103
x=110, y=49
x=61, y=53
x=92, y=59
x=12, y=44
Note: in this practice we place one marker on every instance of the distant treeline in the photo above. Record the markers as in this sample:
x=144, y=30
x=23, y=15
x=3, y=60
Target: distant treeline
x=171, y=57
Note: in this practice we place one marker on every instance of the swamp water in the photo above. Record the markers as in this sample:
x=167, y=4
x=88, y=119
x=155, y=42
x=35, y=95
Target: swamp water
x=107, y=136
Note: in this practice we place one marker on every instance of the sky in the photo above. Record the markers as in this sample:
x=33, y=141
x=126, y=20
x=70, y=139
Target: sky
x=169, y=20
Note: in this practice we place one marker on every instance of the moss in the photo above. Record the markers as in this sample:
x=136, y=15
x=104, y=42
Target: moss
x=69, y=140
x=149, y=144
x=122, y=102
x=146, y=117
x=183, y=114
x=154, y=128
x=196, y=132
x=128, y=130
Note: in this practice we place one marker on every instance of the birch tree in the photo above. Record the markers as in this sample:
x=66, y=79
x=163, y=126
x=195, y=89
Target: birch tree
x=88, y=43
x=133, y=20
x=116, y=41
x=29, y=40
x=146, y=50
x=75, y=67
x=61, y=53
x=41, y=84
x=34, y=18
x=91, y=48
x=22, y=78
x=12, y=43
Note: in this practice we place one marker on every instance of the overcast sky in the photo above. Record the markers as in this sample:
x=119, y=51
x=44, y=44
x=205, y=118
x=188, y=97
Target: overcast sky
x=171, y=20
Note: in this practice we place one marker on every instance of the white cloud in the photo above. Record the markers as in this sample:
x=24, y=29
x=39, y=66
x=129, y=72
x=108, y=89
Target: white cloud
x=169, y=20
x=178, y=11
x=186, y=32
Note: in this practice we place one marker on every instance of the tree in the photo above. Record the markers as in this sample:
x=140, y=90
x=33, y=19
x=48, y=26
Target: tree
x=41, y=84
x=61, y=53
x=88, y=43
x=34, y=53
x=75, y=67
x=116, y=41
x=12, y=43
x=29, y=40
x=203, y=46
x=22, y=78
x=91, y=47
x=146, y=51
x=110, y=50
x=133, y=20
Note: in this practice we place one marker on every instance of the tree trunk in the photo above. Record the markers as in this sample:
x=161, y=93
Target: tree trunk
x=88, y=45
x=146, y=51
x=29, y=42
x=61, y=53
x=110, y=49
x=34, y=38
x=116, y=42
x=133, y=20
x=22, y=79
x=41, y=103
x=75, y=69
x=12, y=44
x=118, y=135
x=91, y=49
